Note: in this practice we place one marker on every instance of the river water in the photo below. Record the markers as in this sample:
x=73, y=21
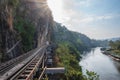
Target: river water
x=103, y=65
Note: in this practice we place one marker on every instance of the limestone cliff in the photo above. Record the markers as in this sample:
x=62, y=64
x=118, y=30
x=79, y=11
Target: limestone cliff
x=37, y=13
x=17, y=19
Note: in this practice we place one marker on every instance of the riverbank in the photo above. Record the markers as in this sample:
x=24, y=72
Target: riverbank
x=106, y=68
x=112, y=55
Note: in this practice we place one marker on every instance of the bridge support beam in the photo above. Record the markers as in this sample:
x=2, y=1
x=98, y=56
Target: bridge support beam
x=55, y=70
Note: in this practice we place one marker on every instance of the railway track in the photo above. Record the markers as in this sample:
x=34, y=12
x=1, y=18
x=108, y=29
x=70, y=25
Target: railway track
x=13, y=69
x=27, y=72
x=4, y=67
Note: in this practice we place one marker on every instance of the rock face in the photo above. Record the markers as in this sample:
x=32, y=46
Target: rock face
x=34, y=11
x=9, y=45
x=38, y=13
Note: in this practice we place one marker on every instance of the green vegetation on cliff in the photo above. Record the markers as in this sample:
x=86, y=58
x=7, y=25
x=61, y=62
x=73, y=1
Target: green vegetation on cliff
x=26, y=30
x=13, y=3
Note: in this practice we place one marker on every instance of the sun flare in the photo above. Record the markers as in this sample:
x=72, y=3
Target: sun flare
x=56, y=8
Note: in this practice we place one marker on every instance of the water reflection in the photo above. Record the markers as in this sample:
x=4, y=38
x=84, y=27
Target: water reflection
x=117, y=65
x=102, y=64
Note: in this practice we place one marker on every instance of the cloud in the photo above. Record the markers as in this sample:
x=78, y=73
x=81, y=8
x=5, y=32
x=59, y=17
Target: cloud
x=89, y=19
x=94, y=24
x=79, y=16
x=104, y=17
x=76, y=17
x=84, y=2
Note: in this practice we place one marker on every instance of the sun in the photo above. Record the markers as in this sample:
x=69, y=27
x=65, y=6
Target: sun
x=56, y=7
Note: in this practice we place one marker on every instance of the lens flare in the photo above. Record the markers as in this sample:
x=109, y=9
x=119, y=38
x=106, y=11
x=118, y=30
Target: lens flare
x=56, y=8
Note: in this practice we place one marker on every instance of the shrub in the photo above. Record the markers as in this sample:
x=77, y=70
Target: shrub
x=13, y=3
x=26, y=30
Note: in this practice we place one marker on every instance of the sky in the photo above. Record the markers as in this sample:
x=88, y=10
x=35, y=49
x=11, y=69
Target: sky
x=98, y=19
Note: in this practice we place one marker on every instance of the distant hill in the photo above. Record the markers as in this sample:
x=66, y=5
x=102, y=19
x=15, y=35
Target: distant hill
x=114, y=39
x=80, y=41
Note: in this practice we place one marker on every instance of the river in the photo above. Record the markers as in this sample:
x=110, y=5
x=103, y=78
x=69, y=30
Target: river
x=103, y=65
